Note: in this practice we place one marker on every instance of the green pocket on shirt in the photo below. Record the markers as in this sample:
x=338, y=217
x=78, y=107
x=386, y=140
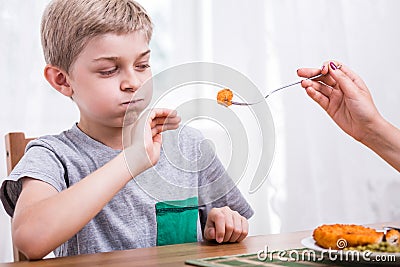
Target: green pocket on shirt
x=177, y=221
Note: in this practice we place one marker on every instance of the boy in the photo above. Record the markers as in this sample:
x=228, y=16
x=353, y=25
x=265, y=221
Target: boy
x=80, y=191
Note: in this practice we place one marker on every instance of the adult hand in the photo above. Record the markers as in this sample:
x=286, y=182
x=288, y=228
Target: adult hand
x=344, y=96
x=225, y=225
x=142, y=140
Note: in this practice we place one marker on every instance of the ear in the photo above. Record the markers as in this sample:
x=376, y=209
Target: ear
x=57, y=78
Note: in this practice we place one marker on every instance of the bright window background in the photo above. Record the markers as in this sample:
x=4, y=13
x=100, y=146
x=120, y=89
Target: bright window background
x=319, y=175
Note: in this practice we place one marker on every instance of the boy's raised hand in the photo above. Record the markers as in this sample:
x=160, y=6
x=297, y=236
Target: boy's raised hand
x=142, y=140
x=225, y=225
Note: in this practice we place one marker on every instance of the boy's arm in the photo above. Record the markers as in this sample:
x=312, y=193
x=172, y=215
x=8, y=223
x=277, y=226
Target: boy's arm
x=225, y=212
x=44, y=218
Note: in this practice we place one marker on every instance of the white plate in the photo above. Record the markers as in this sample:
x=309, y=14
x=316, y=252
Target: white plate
x=309, y=242
x=351, y=257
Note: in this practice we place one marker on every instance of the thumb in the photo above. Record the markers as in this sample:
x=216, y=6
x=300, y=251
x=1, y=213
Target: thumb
x=209, y=233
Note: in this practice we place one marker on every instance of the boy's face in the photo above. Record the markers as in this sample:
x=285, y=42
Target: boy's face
x=106, y=76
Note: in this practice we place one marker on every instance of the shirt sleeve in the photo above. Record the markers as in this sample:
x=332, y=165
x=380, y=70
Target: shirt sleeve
x=39, y=162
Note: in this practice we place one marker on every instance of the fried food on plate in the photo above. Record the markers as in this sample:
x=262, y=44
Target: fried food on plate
x=224, y=97
x=339, y=236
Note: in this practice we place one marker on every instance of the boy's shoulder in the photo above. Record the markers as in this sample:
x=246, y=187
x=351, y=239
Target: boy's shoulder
x=52, y=140
x=68, y=141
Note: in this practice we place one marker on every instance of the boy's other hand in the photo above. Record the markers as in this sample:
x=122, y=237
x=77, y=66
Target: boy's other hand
x=225, y=225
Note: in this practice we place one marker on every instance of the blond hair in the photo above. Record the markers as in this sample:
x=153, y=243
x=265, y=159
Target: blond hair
x=68, y=25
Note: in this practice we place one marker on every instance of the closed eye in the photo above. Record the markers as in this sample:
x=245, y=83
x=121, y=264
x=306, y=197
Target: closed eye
x=108, y=72
x=142, y=67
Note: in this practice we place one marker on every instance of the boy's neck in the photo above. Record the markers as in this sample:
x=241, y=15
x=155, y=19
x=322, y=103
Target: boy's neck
x=109, y=136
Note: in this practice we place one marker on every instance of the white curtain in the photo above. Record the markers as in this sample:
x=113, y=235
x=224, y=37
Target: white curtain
x=319, y=175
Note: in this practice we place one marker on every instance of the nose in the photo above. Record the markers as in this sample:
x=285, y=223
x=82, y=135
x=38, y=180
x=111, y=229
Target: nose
x=131, y=81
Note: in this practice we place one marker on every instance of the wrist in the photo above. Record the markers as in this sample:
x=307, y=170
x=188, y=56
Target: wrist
x=384, y=140
x=125, y=169
x=382, y=137
x=135, y=162
x=374, y=131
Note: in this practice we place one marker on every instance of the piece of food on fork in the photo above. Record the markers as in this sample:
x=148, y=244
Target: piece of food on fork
x=224, y=97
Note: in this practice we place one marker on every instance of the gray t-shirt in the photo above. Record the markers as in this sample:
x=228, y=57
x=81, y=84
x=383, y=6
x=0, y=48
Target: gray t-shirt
x=188, y=167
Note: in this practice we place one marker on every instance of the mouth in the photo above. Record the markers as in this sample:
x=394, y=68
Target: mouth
x=131, y=102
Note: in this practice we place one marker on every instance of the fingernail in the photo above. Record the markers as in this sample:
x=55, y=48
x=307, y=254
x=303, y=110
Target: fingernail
x=333, y=66
x=323, y=67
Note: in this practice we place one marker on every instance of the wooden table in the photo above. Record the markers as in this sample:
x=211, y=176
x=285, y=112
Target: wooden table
x=175, y=255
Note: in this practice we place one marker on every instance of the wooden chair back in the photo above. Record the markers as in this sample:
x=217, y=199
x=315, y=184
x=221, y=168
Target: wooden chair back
x=15, y=149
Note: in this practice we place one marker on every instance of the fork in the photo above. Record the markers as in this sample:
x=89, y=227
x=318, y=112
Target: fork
x=273, y=91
